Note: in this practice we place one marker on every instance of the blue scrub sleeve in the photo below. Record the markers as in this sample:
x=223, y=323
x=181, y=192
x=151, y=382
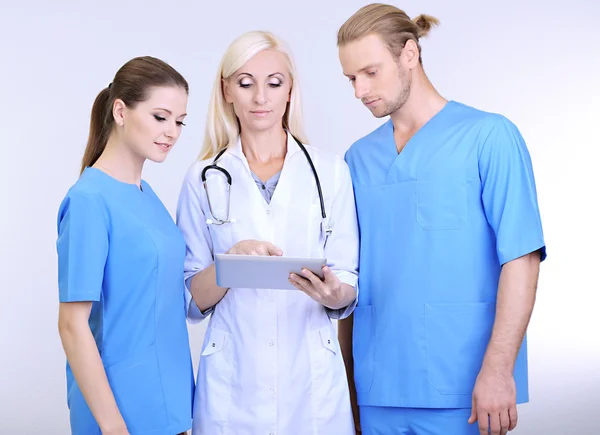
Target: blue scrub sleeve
x=192, y=224
x=82, y=248
x=509, y=192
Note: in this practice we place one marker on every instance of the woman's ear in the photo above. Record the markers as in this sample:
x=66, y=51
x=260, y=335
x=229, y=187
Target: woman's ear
x=118, y=111
x=225, y=88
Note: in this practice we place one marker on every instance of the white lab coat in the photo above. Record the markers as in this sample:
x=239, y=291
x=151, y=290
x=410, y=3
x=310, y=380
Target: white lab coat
x=271, y=362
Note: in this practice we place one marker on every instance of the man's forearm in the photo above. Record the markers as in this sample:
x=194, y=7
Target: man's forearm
x=516, y=297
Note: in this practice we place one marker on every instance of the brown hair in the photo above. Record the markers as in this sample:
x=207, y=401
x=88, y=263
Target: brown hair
x=131, y=85
x=389, y=22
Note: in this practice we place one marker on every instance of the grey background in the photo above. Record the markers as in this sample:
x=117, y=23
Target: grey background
x=538, y=64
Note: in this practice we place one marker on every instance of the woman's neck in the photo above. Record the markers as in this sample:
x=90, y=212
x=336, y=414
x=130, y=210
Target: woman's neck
x=120, y=163
x=263, y=146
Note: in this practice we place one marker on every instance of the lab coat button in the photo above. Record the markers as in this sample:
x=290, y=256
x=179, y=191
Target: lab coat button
x=271, y=344
x=268, y=211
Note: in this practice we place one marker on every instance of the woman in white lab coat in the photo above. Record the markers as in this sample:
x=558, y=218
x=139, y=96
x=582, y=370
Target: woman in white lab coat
x=270, y=362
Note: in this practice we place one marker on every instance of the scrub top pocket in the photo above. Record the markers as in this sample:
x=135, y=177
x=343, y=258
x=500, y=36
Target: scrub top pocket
x=457, y=337
x=441, y=203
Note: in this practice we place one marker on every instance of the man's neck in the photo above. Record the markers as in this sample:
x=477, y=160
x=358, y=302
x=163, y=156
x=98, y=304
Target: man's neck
x=418, y=110
x=423, y=103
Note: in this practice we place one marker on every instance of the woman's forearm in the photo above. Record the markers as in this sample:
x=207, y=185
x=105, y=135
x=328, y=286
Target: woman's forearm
x=204, y=289
x=348, y=296
x=85, y=362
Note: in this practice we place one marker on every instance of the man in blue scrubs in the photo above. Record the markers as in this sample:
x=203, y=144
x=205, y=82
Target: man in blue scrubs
x=451, y=243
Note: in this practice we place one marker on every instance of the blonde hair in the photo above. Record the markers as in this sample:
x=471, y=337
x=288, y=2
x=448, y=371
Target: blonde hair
x=222, y=125
x=392, y=24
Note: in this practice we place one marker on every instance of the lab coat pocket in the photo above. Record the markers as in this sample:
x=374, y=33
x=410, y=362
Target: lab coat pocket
x=323, y=352
x=328, y=381
x=363, y=338
x=441, y=203
x=216, y=373
x=136, y=385
x=456, y=338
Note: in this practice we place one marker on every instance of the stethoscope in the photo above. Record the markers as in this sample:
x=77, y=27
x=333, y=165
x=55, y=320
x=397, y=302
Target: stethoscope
x=220, y=221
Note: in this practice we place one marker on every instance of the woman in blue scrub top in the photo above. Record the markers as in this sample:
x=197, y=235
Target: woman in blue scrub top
x=120, y=266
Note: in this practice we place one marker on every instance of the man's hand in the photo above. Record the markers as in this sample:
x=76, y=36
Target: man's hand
x=494, y=402
x=329, y=292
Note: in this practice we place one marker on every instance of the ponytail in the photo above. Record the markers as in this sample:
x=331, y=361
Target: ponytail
x=100, y=127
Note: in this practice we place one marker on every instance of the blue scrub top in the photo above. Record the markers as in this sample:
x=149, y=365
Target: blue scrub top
x=119, y=248
x=437, y=222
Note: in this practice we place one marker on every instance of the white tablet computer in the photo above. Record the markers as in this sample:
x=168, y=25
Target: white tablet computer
x=261, y=271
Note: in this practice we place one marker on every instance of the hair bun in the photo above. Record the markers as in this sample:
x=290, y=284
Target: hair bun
x=425, y=23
